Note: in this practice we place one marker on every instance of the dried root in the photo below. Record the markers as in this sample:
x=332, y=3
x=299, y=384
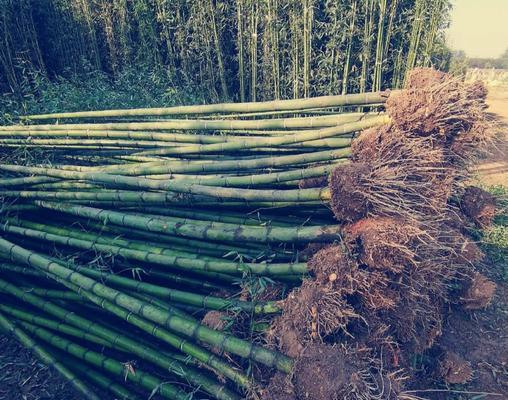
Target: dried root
x=407, y=179
x=439, y=111
x=310, y=313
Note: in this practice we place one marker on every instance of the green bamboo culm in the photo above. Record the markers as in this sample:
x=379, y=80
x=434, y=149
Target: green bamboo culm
x=8, y=327
x=103, y=332
x=175, y=260
x=226, y=232
x=180, y=325
x=192, y=376
x=223, y=108
x=111, y=365
x=298, y=195
x=104, y=382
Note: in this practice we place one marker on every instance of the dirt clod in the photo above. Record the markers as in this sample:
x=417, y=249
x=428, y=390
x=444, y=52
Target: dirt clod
x=479, y=293
x=317, y=182
x=479, y=206
x=383, y=243
x=424, y=77
x=348, y=201
x=455, y=370
x=215, y=320
x=310, y=313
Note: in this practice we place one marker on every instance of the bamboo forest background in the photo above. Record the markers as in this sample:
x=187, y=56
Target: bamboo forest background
x=239, y=50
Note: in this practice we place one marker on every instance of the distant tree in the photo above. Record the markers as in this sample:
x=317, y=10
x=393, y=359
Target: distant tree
x=504, y=59
x=459, y=63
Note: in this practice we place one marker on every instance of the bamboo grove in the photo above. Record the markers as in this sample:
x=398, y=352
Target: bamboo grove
x=242, y=50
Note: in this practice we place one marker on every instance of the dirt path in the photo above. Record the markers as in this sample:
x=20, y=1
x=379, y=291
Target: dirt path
x=494, y=169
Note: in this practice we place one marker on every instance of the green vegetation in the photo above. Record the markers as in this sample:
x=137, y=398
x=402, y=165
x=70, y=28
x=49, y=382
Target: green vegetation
x=229, y=49
x=495, y=238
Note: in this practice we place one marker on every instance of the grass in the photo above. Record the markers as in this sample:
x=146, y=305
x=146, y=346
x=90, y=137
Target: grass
x=137, y=86
x=494, y=240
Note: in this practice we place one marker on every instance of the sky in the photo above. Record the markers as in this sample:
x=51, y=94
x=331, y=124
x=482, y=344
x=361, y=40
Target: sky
x=479, y=27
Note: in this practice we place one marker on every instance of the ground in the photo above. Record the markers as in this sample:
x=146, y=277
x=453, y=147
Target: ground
x=480, y=337
x=494, y=169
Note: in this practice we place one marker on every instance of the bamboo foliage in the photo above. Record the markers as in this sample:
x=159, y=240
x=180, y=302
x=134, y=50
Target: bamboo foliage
x=238, y=49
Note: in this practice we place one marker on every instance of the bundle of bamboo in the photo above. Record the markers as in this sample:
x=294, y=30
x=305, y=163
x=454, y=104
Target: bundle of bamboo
x=132, y=237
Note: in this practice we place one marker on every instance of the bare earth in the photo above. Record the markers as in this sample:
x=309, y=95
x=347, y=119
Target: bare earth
x=494, y=169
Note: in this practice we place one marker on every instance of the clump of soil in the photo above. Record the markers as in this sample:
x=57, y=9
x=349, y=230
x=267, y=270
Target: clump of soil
x=348, y=200
x=479, y=206
x=383, y=243
x=439, y=111
x=311, y=249
x=333, y=265
x=453, y=369
x=479, y=293
x=317, y=182
x=366, y=147
x=215, y=320
x=279, y=388
x=310, y=313
x=337, y=373
x=424, y=77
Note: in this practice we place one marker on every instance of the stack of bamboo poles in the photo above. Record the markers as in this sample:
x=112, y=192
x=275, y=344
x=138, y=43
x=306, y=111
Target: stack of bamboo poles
x=121, y=233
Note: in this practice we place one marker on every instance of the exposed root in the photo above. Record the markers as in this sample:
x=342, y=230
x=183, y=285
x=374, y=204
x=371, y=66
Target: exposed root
x=454, y=370
x=439, y=111
x=479, y=293
x=310, y=313
x=407, y=179
x=341, y=373
x=424, y=77
x=479, y=206
x=384, y=243
x=348, y=201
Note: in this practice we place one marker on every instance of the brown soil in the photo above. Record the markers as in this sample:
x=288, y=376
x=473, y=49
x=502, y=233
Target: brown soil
x=311, y=249
x=307, y=183
x=479, y=293
x=279, y=388
x=310, y=313
x=365, y=147
x=479, y=206
x=454, y=370
x=215, y=320
x=480, y=338
x=325, y=372
x=331, y=264
x=424, y=77
x=346, y=183
x=383, y=243
x=22, y=376
x=340, y=373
